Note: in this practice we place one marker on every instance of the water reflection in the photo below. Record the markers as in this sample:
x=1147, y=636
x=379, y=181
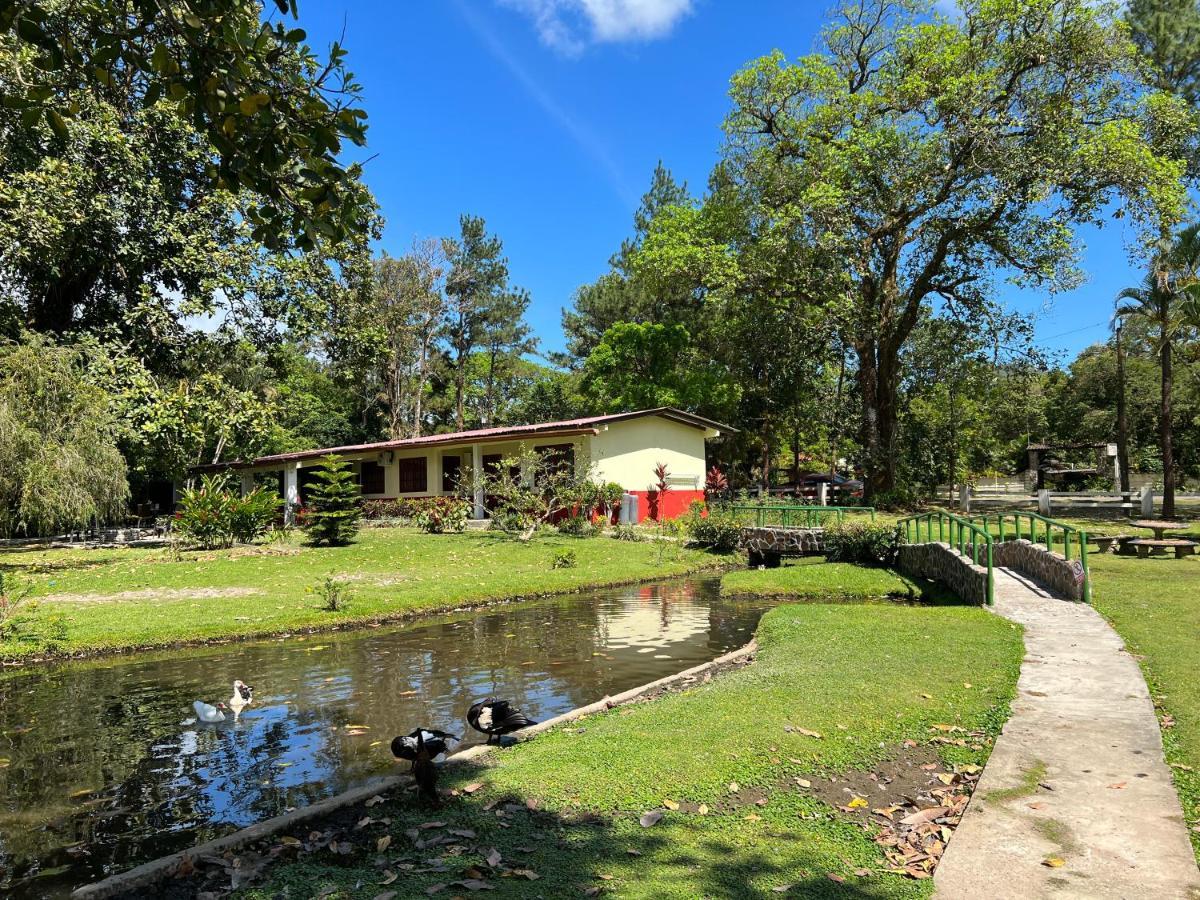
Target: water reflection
x=98, y=773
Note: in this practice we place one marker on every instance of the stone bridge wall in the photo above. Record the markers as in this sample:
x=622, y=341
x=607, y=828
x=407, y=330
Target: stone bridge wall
x=941, y=562
x=767, y=545
x=1047, y=568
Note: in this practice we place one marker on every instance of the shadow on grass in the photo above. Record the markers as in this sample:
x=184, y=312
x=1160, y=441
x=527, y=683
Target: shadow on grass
x=773, y=852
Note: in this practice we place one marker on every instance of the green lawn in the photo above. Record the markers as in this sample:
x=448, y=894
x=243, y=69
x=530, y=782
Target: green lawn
x=813, y=578
x=864, y=678
x=134, y=598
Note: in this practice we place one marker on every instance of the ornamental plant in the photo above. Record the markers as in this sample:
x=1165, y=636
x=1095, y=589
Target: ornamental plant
x=440, y=515
x=332, y=504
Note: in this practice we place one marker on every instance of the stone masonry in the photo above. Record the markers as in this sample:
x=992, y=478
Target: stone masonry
x=1062, y=576
x=941, y=562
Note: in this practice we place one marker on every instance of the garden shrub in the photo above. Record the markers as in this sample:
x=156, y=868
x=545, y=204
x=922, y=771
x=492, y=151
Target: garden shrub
x=577, y=526
x=439, y=515
x=564, y=560
x=332, y=513
x=373, y=510
x=866, y=543
x=720, y=529
x=215, y=515
x=628, y=533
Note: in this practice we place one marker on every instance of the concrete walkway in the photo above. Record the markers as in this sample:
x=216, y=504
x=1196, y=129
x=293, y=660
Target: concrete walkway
x=1077, y=778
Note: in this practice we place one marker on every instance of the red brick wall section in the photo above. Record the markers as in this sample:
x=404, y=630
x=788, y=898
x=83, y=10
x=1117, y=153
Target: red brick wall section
x=674, y=505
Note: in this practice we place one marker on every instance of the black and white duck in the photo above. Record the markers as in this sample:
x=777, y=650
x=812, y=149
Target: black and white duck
x=496, y=718
x=435, y=743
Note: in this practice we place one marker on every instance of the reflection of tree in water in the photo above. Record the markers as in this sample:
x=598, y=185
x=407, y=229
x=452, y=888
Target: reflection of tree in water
x=114, y=727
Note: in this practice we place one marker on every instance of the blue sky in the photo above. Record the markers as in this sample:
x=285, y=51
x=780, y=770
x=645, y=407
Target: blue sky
x=547, y=117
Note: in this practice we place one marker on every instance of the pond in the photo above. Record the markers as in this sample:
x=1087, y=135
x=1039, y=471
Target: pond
x=99, y=772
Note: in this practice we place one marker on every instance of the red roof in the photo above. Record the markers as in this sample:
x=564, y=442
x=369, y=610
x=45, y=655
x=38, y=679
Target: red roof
x=568, y=427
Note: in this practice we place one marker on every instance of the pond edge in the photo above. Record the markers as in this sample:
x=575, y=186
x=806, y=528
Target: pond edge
x=155, y=870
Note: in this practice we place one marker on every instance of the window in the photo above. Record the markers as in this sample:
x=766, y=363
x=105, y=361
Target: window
x=413, y=475
x=451, y=466
x=558, y=456
x=370, y=478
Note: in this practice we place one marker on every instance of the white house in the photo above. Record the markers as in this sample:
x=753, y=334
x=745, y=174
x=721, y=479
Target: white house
x=621, y=447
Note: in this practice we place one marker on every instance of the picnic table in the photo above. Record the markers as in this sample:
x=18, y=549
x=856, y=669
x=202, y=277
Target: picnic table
x=1158, y=526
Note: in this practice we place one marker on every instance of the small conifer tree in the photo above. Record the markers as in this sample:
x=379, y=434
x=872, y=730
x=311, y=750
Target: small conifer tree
x=332, y=510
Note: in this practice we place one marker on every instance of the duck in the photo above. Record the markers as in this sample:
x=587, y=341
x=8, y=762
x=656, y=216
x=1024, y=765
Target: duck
x=243, y=695
x=496, y=718
x=434, y=742
x=208, y=713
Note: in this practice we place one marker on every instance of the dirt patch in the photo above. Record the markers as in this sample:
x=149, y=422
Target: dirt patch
x=167, y=594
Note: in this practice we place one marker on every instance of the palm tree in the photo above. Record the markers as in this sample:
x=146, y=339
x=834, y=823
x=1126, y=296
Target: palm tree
x=1168, y=300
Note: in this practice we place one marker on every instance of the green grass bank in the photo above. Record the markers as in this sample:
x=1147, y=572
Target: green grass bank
x=811, y=578
x=566, y=806
x=92, y=601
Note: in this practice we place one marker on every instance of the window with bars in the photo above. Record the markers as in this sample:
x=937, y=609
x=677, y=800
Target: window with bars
x=413, y=475
x=370, y=478
x=451, y=467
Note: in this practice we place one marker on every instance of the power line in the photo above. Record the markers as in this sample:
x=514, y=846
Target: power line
x=1074, y=331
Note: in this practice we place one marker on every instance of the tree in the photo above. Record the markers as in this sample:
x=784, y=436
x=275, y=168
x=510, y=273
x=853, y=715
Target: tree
x=383, y=336
x=481, y=309
x=274, y=114
x=60, y=467
x=618, y=295
x=114, y=223
x=331, y=507
x=1161, y=301
x=1168, y=33
x=645, y=366
x=911, y=157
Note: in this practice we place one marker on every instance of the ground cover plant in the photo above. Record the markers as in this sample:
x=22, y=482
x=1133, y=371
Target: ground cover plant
x=702, y=792
x=127, y=598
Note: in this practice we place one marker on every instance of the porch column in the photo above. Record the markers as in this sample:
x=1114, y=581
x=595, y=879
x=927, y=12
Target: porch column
x=291, y=491
x=477, y=480
x=247, y=483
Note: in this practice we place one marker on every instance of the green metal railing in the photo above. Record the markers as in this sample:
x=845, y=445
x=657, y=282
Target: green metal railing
x=784, y=516
x=962, y=534
x=1009, y=526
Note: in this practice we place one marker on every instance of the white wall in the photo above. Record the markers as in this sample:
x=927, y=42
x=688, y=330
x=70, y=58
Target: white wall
x=627, y=452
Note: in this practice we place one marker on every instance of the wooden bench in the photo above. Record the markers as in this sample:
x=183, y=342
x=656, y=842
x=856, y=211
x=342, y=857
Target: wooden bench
x=1146, y=546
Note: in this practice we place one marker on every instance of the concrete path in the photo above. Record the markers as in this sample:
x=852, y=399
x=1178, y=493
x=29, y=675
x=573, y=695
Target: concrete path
x=1077, y=777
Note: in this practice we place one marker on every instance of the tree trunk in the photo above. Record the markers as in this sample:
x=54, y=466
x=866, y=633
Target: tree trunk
x=1122, y=418
x=835, y=424
x=1164, y=427
x=878, y=372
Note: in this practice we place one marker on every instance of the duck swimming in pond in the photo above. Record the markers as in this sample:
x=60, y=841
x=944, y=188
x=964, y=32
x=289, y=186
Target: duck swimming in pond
x=497, y=717
x=208, y=713
x=243, y=695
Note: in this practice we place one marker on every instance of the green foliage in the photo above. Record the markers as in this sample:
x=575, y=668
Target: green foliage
x=865, y=543
x=713, y=526
x=216, y=515
x=577, y=526
x=440, y=515
x=532, y=488
x=637, y=366
x=333, y=593
x=331, y=507
x=564, y=559
x=60, y=467
x=627, y=533
x=1168, y=32
x=20, y=629
x=271, y=114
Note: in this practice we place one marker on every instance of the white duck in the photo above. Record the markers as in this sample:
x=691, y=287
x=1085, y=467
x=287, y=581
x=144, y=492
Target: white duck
x=243, y=695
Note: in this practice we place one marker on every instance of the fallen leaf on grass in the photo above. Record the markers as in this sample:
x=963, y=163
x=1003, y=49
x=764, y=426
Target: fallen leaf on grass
x=1054, y=862
x=383, y=843
x=475, y=884
x=435, y=888
x=651, y=818
x=472, y=787
x=858, y=803
x=288, y=841
x=734, y=787
x=632, y=852
x=1035, y=805
x=703, y=809
x=753, y=817
x=525, y=873
x=924, y=815
x=1118, y=786
x=782, y=889
x=374, y=800
x=804, y=782
x=834, y=877
x=670, y=804
x=946, y=777
x=493, y=858
x=388, y=877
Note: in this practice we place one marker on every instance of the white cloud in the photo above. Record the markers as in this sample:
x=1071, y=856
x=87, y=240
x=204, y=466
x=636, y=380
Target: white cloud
x=570, y=25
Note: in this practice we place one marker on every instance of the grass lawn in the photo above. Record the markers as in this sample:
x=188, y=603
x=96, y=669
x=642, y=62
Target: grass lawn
x=813, y=578
x=863, y=678
x=135, y=598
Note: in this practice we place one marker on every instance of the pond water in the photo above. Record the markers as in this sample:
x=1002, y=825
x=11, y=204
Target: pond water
x=98, y=771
